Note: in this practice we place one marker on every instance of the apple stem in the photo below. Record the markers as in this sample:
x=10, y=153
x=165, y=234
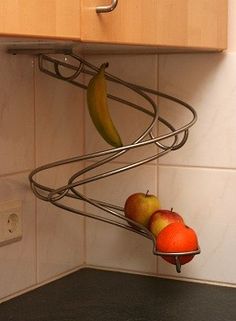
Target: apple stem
x=147, y=193
x=171, y=209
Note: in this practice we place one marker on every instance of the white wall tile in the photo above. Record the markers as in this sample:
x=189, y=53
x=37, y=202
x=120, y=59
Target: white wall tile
x=110, y=246
x=207, y=82
x=18, y=260
x=59, y=119
x=59, y=135
x=60, y=245
x=205, y=198
x=130, y=123
x=16, y=113
x=198, y=180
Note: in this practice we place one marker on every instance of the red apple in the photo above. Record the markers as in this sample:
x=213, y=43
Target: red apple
x=161, y=219
x=140, y=206
x=177, y=237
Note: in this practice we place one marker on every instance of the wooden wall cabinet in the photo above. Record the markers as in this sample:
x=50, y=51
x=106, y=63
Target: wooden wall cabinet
x=55, y=19
x=193, y=24
x=174, y=24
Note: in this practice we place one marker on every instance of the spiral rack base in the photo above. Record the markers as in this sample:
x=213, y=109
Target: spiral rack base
x=56, y=67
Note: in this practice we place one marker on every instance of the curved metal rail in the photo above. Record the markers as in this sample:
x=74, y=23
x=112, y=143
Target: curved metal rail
x=53, y=67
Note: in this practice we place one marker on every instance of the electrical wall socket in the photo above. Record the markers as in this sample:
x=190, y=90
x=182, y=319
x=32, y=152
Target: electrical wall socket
x=10, y=222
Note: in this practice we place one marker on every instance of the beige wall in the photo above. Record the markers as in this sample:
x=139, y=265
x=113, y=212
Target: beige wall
x=41, y=120
x=200, y=179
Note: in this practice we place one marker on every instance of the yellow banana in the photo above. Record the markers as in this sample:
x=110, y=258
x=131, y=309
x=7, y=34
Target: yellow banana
x=98, y=108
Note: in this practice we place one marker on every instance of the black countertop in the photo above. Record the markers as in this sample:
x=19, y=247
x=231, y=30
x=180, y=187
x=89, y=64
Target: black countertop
x=95, y=295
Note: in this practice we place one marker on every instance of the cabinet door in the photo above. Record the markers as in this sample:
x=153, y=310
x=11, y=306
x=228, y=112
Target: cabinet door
x=40, y=18
x=192, y=23
x=165, y=23
x=132, y=22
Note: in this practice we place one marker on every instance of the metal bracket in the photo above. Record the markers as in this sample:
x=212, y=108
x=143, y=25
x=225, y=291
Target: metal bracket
x=39, y=51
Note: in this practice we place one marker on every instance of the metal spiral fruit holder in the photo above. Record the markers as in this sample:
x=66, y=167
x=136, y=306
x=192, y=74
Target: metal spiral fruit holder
x=56, y=68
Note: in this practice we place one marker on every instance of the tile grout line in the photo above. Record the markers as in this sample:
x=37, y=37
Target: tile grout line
x=35, y=164
x=84, y=187
x=157, y=129
x=16, y=173
x=201, y=167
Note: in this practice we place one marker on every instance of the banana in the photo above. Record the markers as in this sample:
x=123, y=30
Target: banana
x=98, y=108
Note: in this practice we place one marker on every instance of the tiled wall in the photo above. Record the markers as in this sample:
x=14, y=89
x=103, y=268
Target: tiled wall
x=43, y=120
x=47, y=119
x=18, y=260
x=199, y=180
x=108, y=246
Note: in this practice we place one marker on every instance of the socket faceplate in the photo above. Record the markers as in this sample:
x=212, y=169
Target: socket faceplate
x=10, y=222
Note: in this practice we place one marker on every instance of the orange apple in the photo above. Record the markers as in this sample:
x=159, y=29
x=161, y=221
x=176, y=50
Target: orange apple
x=177, y=237
x=161, y=219
x=140, y=206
